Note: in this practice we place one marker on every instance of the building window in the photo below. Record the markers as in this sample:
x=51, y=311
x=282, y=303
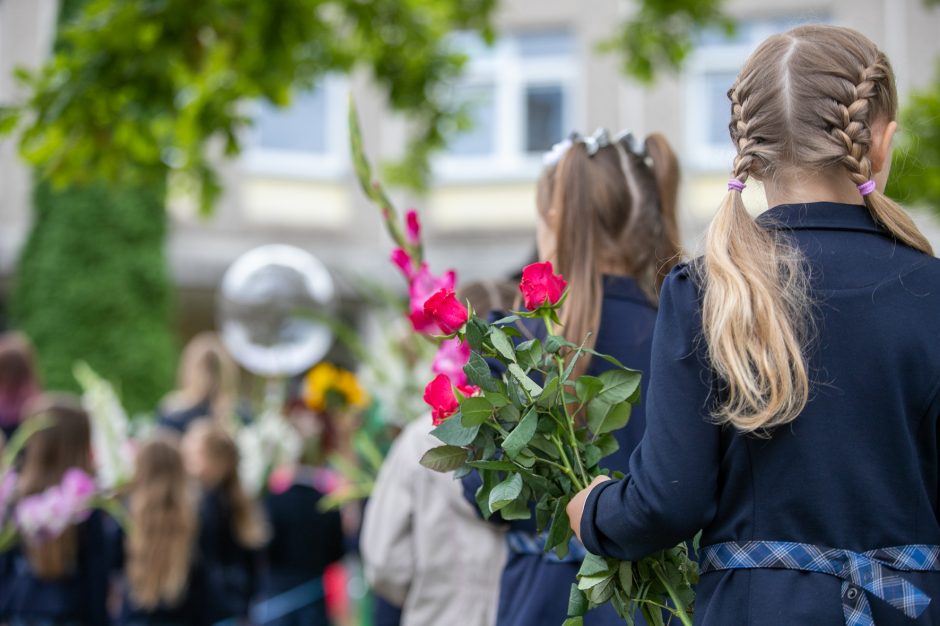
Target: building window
x=709, y=74
x=305, y=140
x=519, y=97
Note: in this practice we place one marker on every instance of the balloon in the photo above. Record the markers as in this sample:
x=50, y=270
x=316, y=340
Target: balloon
x=273, y=301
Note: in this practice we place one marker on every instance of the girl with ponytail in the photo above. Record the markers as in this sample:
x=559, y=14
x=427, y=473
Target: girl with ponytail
x=607, y=222
x=795, y=384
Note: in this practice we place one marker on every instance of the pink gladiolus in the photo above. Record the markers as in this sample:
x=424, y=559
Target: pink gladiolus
x=446, y=311
x=404, y=262
x=423, y=286
x=281, y=479
x=540, y=286
x=413, y=231
x=450, y=360
x=439, y=395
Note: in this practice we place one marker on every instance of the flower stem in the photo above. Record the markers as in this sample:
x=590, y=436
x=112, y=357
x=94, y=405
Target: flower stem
x=569, y=470
x=681, y=612
x=569, y=422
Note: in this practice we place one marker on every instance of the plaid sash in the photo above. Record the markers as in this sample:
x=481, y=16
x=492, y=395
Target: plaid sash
x=873, y=572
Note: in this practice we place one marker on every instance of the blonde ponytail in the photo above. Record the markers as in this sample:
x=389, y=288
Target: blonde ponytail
x=805, y=100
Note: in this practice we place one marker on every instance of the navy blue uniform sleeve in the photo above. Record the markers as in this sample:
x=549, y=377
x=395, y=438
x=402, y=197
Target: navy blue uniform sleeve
x=670, y=492
x=96, y=566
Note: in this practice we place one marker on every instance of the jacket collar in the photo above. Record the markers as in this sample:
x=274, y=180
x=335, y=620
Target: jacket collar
x=624, y=288
x=820, y=216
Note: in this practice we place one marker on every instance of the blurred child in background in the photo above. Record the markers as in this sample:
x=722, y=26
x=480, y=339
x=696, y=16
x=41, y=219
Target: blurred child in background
x=62, y=580
x=19, y=382
x=164, y=580
x=207, y=387
x=232, y=528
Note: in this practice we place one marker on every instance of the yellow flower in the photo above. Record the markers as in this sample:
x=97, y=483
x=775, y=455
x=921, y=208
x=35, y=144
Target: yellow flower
x=326, y=384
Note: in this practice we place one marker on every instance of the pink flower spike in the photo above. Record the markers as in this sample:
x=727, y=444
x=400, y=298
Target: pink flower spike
x=450, y=360
x=404, y=262
x=424, y=285
x=413, y=229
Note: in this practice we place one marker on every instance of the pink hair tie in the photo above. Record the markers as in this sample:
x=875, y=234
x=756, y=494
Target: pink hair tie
x=736, y=185
x=867, y=187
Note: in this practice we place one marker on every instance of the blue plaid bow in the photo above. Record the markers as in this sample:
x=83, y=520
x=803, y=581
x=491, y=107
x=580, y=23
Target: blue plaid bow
x=860, y=572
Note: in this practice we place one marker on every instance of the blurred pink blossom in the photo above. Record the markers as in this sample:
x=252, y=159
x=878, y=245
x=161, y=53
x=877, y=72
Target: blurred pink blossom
x=450, y=359
x=413, y=227
x=45, y=515
x=424, y=284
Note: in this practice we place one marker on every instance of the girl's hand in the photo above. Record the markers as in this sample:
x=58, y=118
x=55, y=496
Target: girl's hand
x=575, y=508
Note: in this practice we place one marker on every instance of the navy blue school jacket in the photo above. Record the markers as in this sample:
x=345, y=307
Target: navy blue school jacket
x=858, y=468
x=78, y=598
x=534, y=588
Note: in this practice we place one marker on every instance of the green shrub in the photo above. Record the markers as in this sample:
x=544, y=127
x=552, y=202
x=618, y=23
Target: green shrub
x=92, y=285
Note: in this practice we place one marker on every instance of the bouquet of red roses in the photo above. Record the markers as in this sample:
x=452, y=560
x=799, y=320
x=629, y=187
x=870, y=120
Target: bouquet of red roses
x=535, y=432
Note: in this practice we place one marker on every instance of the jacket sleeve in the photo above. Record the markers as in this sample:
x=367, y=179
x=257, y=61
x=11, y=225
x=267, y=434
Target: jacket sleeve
x=387, y=544
x=670, y=491
x=96, y=568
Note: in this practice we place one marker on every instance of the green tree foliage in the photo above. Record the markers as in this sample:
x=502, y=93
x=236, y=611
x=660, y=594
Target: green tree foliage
x=661, y=34
x=915, y=172
x=92, y=285
x=143, y=87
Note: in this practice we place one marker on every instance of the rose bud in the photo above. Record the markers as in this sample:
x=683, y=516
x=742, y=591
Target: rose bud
x=540, y=286
x=446, y=311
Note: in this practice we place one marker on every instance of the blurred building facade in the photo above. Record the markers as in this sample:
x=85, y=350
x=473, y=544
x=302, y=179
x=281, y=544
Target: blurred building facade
x=543, y=78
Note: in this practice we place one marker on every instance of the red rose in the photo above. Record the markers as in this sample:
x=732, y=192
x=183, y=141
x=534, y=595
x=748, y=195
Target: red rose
x=439, y=395
x=413, y=227
x=446, y=311
x=540, y=286
x=423, y=285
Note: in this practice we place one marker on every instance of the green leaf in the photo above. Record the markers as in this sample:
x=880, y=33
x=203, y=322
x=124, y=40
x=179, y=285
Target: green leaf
x=619, y=385
x=479, y=374
x=574, y=621
x=527, y=383
x=505, y=492
x=501, y=466
x=549, y=394
x=608, y=444
x=475, y=411
x=444, y=458
x=599, y=594
x=586, y=583
x=521, y=435
x=625, y=573
x=509, y=319
x=594, y=565
x=516, y=510
x=482, y=495
x=543, y=512
x=592, y=456
x=496, y=399
x=577, y=602
x=605, y=419
x=553, y=344
x=587, y=388
x=560, y=532
x=454, y=433
x=529, y=353
x=509, y=413
x=501, y=344
x=475, y=332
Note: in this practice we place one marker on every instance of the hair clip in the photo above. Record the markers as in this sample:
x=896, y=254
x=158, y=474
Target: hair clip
x=553, y=156
x=593, y=144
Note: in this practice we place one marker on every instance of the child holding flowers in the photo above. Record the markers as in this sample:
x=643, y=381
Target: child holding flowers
x=59, y=573
x=607, y=222
x=793, y=403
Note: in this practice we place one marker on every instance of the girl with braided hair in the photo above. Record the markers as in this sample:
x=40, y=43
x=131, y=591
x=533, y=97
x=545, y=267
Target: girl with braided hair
x=794, y=393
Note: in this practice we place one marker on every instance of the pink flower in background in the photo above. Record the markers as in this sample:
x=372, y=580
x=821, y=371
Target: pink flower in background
x=450, y=359
x=45, y=515
x=403, y=260
x=7, y=486
x=446, y=311
x=281, y=479
x=424, y=285
x=541, y=286
x=413, y=231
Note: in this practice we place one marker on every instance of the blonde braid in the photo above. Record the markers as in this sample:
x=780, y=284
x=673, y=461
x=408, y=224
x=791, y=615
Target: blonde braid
x=855, y=136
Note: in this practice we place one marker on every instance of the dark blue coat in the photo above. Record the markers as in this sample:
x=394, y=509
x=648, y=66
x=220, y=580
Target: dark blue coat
x=857, y=470
x=77, y=598
x=534, y=589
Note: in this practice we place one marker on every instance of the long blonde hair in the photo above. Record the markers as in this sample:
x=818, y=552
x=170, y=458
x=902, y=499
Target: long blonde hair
x=805, y=99
x=611, y=209
x=163, y=526
x=64, y=444
x=221, y=454
x=206, y=373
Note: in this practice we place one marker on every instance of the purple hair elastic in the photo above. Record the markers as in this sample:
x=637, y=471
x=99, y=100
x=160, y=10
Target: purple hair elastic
x=867, y=187
x=736, y=185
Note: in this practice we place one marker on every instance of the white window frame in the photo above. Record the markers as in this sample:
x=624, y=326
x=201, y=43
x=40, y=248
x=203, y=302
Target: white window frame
x=330, y=165
x=510, y=74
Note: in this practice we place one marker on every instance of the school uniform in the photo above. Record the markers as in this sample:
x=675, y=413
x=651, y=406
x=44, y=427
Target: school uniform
x=535, y=586
x=305, y=542
x=791, y=521
x=231, y=569
x=77, y=599
x=192, y=609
